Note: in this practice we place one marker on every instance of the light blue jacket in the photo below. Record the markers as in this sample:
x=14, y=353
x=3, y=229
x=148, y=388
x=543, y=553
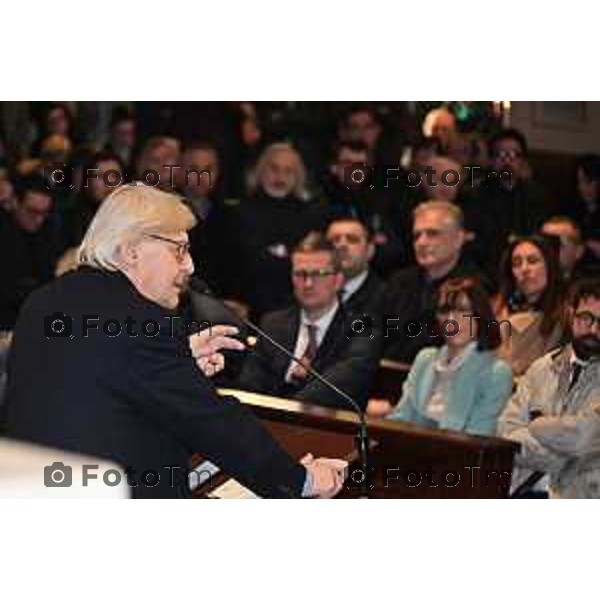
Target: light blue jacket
x=477, y=394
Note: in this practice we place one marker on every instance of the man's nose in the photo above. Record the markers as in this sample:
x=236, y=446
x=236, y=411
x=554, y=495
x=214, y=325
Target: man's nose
x=188, y=264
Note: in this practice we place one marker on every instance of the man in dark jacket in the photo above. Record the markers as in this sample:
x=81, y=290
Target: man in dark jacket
x=363, y=291
x=409, y=308
x=382, y=209
x=101, y=365
x=268, y=225
x=508, y=202
x=318, y=333
x=30, y=244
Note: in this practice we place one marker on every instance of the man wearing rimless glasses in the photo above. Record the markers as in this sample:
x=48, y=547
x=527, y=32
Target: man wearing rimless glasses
x=314, y=330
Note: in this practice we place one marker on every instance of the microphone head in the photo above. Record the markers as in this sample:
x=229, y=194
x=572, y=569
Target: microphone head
x=199, y=286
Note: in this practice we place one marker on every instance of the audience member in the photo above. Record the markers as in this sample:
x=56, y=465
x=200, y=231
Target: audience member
x=508, y=202
x=363, y=291
x=102, y=174
x=157, y=162
x=530, y=299
x=575, y=259
x=440, y=125
x=586, y=210
x=122, y=135
x=30, y=244
x=409, y=309
x=383, y=211
x=554, y=414
x=462, y=385
x=212, y=243
x=314, y=330
x=361, y=124
x=268, y=224
x=441, y=179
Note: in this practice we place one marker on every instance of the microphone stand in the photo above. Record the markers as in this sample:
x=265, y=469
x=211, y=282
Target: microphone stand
x=361, y=438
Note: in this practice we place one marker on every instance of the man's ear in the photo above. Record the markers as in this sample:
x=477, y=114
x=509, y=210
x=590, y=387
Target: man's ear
x=339, y=280
x=461, y=238
x=128, y=254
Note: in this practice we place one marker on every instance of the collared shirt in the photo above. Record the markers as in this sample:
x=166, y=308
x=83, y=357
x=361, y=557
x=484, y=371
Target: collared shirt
x=444, y=372
x=352, y=285
x=322, y=325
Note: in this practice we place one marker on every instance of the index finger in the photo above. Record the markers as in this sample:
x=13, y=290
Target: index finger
x=222, y=330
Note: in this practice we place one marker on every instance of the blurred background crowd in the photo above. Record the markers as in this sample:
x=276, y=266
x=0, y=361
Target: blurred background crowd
x=273, y=172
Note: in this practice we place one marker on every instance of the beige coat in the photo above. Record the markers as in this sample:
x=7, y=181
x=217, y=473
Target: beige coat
x=565, y=442
x=523, y=343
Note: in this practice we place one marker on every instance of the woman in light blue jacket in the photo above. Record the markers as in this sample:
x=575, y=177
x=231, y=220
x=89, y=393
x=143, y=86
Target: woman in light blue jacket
x=462, y=385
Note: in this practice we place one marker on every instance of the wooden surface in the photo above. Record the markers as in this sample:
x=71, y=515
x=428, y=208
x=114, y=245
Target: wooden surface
x=406, y=461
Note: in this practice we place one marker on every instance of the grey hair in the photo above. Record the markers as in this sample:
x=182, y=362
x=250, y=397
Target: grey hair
x=452, y=210
x=255, y=176
x=127, y=214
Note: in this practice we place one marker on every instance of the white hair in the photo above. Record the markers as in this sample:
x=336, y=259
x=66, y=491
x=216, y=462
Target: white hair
x=127, y=214
x=256, y=175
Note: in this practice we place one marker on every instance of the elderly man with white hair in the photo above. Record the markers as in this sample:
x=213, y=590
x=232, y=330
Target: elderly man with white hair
x=101, y=365
x=268, y=224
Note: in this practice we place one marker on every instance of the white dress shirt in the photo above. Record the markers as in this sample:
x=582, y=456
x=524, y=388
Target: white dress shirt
x=352, y=285
x=322, y=325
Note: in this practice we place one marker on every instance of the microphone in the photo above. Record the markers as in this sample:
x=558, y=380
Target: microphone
x=199, y=286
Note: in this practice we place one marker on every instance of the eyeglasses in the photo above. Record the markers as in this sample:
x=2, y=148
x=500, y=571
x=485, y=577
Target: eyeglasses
x=182, y=249
x=587, y=318
x=512, y=154
x=317, y=273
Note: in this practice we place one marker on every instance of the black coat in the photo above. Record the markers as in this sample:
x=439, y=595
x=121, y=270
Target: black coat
x=266, y=231
x=139, y=401
x=27, y=261
x=368, y=299
x=409, y=310
x=348, y=362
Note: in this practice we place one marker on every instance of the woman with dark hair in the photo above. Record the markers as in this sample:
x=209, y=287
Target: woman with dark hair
x=461, y=385
x=586, y=211
x=531, y=300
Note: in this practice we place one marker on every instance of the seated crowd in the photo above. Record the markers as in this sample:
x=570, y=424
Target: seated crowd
x=485, y=296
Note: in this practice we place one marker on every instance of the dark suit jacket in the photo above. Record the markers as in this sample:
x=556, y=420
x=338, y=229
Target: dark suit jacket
x=139, y=401
x=369, y=298
x=27, y=261
x=349, y=363
x=409, y=310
